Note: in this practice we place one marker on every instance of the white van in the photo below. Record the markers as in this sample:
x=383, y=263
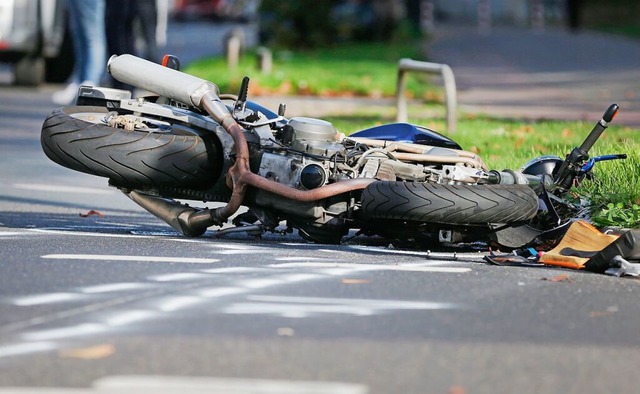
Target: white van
x=32, y=38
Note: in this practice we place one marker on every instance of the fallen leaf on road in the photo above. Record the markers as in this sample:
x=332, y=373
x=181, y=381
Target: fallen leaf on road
x=608, y=312
x=91, y=213
x=348, y=281
x=457, y=390
x=89, y=353
x=559, y=278
x=286, y=332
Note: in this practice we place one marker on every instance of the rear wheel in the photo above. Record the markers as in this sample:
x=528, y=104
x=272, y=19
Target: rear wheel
x=449, y=204
x=176, y=155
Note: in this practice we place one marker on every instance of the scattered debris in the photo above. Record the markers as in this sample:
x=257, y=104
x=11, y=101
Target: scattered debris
x=286, y=332
x=89, y=353
x=91, y=213
x=348, y=281
x=559, y=278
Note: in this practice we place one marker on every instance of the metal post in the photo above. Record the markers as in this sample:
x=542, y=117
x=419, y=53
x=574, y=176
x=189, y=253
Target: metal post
x=265, y=60
x=406, y=65
x=233, y=51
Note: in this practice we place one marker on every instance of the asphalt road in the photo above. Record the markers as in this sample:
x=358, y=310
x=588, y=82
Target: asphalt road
x=121, y=303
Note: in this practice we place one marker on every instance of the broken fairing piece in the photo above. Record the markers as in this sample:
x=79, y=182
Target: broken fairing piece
x=621, y=267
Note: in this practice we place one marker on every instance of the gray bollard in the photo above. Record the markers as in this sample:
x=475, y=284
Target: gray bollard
x=233, y=46
x=265, y=60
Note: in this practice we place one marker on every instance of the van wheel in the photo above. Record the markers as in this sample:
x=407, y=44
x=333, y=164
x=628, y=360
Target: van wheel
x=29, y=71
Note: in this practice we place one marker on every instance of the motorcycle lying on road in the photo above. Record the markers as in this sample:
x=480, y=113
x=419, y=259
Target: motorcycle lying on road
x=397, y=181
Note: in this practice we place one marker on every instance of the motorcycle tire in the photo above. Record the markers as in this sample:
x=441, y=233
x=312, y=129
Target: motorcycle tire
x=450, y=204
x=179, y=157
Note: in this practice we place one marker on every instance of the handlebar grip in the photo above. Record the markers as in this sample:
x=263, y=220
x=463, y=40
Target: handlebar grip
x=164, y=81
x=599, y=128
x=610, y=113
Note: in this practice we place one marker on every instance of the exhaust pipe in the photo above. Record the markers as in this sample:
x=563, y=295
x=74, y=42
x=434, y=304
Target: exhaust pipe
x=184, y=219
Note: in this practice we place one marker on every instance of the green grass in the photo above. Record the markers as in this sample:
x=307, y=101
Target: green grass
x=363, y=69
x=510, y=144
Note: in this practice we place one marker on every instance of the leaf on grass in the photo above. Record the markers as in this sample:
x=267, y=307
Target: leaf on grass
x=91, y=213
x=559, y=278
x=89, y=353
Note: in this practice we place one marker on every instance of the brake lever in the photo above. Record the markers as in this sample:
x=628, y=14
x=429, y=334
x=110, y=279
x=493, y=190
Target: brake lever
x=588, y=166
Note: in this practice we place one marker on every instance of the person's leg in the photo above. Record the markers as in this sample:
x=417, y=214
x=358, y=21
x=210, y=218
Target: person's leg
x=91, y=34
x=147, y=12
x=119, y=15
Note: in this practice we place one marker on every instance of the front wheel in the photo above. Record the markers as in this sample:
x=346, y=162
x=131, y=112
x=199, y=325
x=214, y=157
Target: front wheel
x=449, y=204
x=177, y=156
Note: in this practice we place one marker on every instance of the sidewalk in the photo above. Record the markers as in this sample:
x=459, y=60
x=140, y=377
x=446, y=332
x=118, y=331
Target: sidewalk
x=555, y=74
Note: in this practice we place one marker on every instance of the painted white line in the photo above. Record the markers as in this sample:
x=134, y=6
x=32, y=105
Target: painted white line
x=167, y=236
x=215, y=292
x=420, y=267
x=243, y=251
x=167, y=385
x=235, y=270
x=145, y=259
x=179, y=276
x=303, y=258
x=177, y=384
x=301, y=307
x=128, y=317
x=88, y=234
x=378, y=249
x=375, y=303
x=26, y=348
x=60, y=188
x=172, y=304
x=11, y=233
x=260, y=283
x=64, y=332
x=113, y=287
x=41, y=299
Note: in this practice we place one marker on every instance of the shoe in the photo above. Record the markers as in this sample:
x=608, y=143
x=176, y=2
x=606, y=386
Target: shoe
x=67, y=95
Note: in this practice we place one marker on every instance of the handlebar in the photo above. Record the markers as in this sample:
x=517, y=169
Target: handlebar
x=599, y=128
x=572, y=165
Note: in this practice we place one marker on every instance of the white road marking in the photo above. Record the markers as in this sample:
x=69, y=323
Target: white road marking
x=420, y=267
x=128, y=317
x=113, y=287
x=64, y=332
x=212, y=385
x=41, y=299
x=235, y=270
x=303, y=258
x=378, y=249
x=26, y=348
x=61, y=188
x=178, y=276
x=215, y=292
x=88, y=234
x=152, y=259
x=11, y=233
x=172, y=304
x=301, y=307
